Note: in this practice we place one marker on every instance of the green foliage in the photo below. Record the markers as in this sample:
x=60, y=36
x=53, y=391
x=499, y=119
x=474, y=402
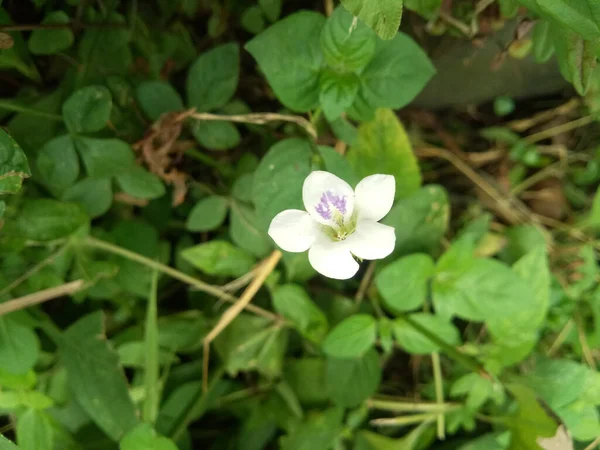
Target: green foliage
x=352, y=337
x=49, y=42
x=87, y=110
x=384, y=17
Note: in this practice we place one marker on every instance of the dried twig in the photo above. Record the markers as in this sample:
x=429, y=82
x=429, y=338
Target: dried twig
x=41, y=296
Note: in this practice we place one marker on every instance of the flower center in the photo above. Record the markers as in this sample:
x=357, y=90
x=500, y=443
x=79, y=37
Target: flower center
x=330, y=205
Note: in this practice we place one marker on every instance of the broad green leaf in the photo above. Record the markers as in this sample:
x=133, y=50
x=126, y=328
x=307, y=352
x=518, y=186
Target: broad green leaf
x=293, y=303
x=34, y=431
x=413, y=341
x=271, y=8
x=383, y=147
x=22, y=381
x=96, y=380
x=208, y=214
x=317, y=432
x=93, y=194
x=383, y=16
x=246, y=232
x=543, y=47
x=279, y=178
x=490, y=441
x=50, y=42
x=157, y=98
x=133, y=354
x=338, y=165
x=298, y=267
x=58, y=164
x=87, y=110
x=213, y=77
x=349, y=382
x=581, y=16
x=46, y=219
x=5, y=444
x=216, y=135
x=577, y=57
x=337, y=92
x=104, y=158
x=347, y=47
x=306, y=377
x=13, y=162
x=143, y=437
x=252, y=343
x=19, y=347
x=352, y=337
x=292, y=65
x=140, y=183
x=521, y=240
x=242, y=187
x=403, y=283
x=219, y=258
x=399, y=62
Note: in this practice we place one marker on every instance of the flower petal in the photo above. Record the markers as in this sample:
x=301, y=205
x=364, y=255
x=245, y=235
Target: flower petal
x=293, y=230
x=332, y=259
x=372, y=240
x=375, y=196
x=327, y=197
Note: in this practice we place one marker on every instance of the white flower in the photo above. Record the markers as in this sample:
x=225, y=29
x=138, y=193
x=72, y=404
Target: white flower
x=339, y=223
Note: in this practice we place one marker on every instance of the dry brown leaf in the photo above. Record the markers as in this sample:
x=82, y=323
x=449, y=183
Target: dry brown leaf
x=560, y=441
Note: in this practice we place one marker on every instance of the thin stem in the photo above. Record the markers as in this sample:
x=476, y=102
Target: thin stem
x=554, y=131
x=404, y=420
x=439, y=393
x=594, y=444
x=41, y=296
x=12, y=106
x=364, y=283
x=395, y=406
x=198, y=284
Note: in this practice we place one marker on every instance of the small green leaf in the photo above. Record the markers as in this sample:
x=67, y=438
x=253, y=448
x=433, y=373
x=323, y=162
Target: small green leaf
x=35, y=431
x=577, y=58
x=403, y=283
x=96, y=380
x=219, y=258
x=352, y=337
x=93, y=194
x=543, y=47
x=349, y=382
x=337, y=92
x=306, y=377
x=292, y=65
x=253, y=20
x=318, y=432
x=347, y=46
x=157, y=98
x=246, y=232
x=415, y=342
x=46, y=219
x=383, y=16
x=216, y=135
x=13, y=162
x=208, y=214
x=279, y=178
x=383, y=147
x=19, y=347
x=50, y=42
x=338, y=165
x=87, y=110
x=293, y=303
x=242, y=187
x=58, y=164
x=140, y=183
x=271, y=8
x=213, y=78
x=105, y=157
x=143, y=437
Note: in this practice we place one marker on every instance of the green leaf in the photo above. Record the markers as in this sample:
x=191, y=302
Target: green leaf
x=384, y=147
x=337, y=92
x=213, y=77
x=208, y=214
x=17, y=57
x=34, y=431
x=246, y=233
x=293, y=303
x=298, y=267
x=403, y=283
x=317, y=432
x=349, y=382
x=414, y=341
x=140, y=183
x=19, y=347
x=46, y=219
x=347, y=47
x=252, y=343
x=543, y=47
x=271, y=8
x=216, y=135
x=384, y=330
x=521, y=240
x=428, y=8
x=5, y=444
x=242, y=187
x=306, y=377
x=478, y=390
x=152, y=356
x=58, y=164
x=143, y=437
x=292, y=65
x=559, y=382
x=252, y=20
x=279, y=178
x=577, y=58
x=219, y=258
x=594, y=217
x=581, y=16
x=157, y=98
x=93, y=194
x=399, y=62
x=87, y=110
x=338, y=165
x=96, y=380
x=352, y=337
x=105, y=157
x=13, y=162
x=383, y=16
x=50, y=42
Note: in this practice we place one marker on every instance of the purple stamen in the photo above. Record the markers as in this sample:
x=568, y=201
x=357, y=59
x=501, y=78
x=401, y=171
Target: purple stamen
x=328, y=200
